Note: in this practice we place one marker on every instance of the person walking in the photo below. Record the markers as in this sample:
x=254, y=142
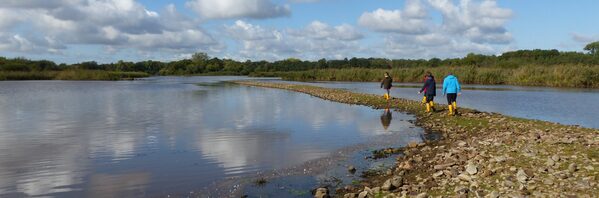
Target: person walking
x=387, y=84
x=429, y=90
x=451, y=87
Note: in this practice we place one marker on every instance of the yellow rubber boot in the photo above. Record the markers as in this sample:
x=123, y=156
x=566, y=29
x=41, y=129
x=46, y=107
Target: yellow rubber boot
x=432, y=105
x=450, y=110
x=428, y=107
x=455, y=107
x=386, y=96
x=423, y=99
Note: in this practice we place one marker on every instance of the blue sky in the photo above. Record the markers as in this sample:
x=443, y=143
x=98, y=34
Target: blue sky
x=110, y=30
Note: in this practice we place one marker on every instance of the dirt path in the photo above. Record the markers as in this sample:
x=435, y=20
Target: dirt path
x=480, y=155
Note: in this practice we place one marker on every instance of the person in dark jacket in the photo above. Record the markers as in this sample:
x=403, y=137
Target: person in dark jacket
x=429, y=90
x=387, y=84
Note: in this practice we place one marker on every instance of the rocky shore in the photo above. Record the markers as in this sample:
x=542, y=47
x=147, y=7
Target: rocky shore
x=480, y=155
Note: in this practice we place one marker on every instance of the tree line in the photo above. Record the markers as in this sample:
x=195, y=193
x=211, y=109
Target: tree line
x=201, y=64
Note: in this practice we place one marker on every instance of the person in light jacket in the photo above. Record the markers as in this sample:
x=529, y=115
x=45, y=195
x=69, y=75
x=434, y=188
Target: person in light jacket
x=451, y=87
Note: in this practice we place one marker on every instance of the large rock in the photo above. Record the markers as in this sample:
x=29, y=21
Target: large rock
x=322, y=193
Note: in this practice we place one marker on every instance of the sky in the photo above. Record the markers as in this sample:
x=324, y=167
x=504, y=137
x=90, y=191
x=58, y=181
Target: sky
x=71, y=31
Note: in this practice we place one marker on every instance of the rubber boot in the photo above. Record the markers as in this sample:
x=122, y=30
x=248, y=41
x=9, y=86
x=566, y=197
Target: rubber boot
x=450, y=110
x=455, y=107
x=428, y=107
x=423, y=99
x=432, y=106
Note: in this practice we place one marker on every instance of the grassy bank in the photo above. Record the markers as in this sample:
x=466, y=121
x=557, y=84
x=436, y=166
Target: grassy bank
x=480, y=154
x=70, y=75
x=550, y=76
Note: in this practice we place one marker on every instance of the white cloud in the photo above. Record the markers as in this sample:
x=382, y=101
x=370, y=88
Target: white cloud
x=467, y=26
x=116, y=24
x=316, y=40
x=227, y=9
x=412, y=20
x=581, y=38
x=483, y=22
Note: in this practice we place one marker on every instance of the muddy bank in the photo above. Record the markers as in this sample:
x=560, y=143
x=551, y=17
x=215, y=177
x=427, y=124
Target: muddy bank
x=481, y=154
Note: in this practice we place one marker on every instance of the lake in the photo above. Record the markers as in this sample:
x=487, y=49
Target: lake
x=169, y=135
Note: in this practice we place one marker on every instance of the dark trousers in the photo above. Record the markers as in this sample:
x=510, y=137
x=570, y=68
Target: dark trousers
x=430, y=97
x=451, y=97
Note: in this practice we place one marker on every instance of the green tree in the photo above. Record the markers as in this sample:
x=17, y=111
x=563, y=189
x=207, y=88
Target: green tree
x=593, y=48
x=199, y=57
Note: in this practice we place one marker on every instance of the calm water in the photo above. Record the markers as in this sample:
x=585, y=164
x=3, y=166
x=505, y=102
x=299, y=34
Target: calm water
x=163, y=136
x=566, y=106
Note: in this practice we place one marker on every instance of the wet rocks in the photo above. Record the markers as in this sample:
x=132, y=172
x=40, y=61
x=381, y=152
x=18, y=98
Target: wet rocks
x=322, y=193
x=351, y=169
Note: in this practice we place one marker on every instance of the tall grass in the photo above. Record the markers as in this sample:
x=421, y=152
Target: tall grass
x=70, y=75
x=532, y=75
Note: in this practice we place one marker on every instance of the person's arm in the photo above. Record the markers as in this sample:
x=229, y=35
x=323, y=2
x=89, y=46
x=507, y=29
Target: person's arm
x=382, y=82
x=426, y=84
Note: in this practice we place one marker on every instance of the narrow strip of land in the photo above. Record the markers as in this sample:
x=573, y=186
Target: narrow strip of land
x=481, y=154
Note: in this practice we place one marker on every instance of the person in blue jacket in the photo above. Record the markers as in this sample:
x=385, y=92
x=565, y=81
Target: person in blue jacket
x=451, y=87
x=429, y=89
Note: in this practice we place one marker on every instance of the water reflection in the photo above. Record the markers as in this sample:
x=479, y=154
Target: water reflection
x=164, y=135
x=386, y=118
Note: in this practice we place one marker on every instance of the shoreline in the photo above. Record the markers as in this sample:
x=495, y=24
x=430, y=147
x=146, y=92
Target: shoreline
x=480, y=154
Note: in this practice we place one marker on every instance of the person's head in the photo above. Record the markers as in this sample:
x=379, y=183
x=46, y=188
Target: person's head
x=449, y=73
x=386, y=74
x=428, y=74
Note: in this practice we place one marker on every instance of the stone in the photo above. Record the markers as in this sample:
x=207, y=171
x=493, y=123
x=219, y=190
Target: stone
x=555, y=158
x=493, y=194
x=351, y=169
x=589, y=168
x=350, y=195
x=413, y=144
x=548, y=182
x=572, y=167
x=461, y=190
x=500, y=159
x=397, y=181
x=387, y=186
x=437, y=174
x=363, y=194
x=462, y=144
x=521, y=176
x=550, y=162
x=376, y=190
x=464, y=177
x=322, y=193
x=443, y=166
x=422, y=195
x=471, y=169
